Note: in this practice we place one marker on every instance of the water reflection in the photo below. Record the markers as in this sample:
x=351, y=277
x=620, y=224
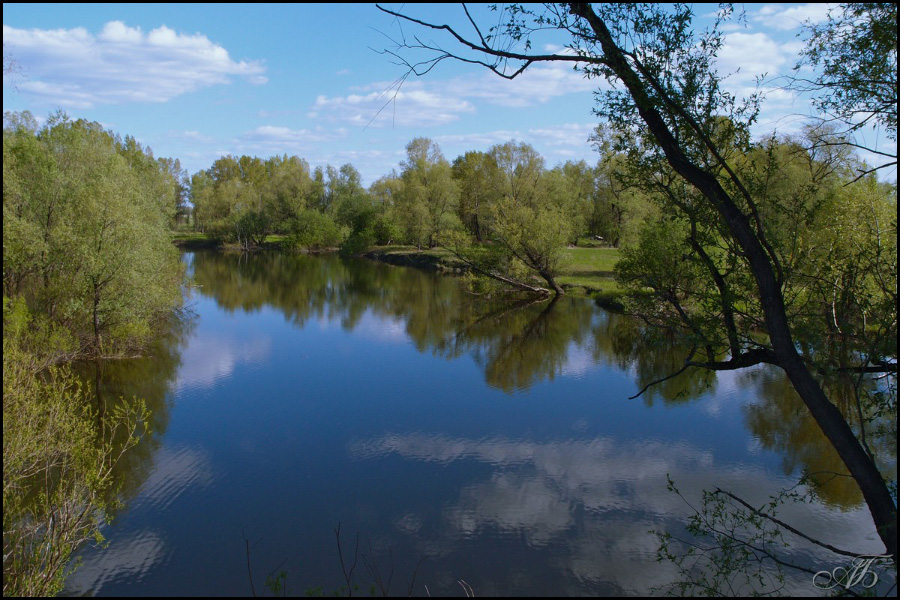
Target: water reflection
x=148, y=378
x=652, y=355
x=212, y=358
x=317, y=390
x=520, y=342
x=782, y=423
x=603, y=493
x=516, y=342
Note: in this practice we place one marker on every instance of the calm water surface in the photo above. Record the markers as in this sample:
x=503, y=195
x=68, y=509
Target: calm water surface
x=494, y=441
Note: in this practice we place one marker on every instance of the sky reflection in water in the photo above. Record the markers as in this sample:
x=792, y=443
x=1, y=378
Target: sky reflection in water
x=497, y=441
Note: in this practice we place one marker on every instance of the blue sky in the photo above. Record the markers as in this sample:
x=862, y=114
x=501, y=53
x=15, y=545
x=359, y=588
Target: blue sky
x=196, y=82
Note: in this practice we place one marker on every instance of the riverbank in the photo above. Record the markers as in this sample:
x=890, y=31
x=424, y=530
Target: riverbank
x=587, y=270
x=197, y=241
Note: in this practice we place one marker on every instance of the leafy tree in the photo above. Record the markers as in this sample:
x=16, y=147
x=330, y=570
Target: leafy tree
x=528, y=218
x=854, y=58
x=472, y=172
x=242, y=200
x=202, y=193
x=619, y=205
x=286, y=190
x=571, y=187
x=385, y=193
x=315, y=231
x=86, y=222
x=89, y=269
x=427, y=200
x=667, y=98
x=180, y=186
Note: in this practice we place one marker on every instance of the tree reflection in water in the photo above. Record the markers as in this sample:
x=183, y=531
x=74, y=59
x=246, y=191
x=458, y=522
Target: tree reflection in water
x=588, y=496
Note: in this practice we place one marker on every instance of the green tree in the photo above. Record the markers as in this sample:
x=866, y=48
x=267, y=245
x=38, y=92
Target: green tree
x=385, y=193
x=667, y=97
x=427, y=201
x=89, y=269
x=472, y=172
x=285, y=191
x=531, y=228
x=528, y=224
x=88, y=233
x=571, y=186
x=313, y=230
x=619, y=205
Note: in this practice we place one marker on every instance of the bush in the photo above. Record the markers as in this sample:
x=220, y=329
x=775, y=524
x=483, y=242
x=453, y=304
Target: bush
x=313, y=230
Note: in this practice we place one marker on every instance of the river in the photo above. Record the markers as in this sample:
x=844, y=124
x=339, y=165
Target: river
x=457, y=438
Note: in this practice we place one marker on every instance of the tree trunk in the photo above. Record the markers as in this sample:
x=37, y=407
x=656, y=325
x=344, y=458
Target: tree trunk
x=828, y=417
x=551, y=281
x=96, y=318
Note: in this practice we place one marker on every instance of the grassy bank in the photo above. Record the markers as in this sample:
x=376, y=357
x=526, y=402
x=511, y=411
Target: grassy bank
x=586, y=270
x=591, y=269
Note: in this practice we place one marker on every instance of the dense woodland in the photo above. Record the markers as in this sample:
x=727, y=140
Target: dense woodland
x=90, y=271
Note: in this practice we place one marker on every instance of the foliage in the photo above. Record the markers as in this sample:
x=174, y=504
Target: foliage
x=315, y=231
x=88, y=269
x=524, y=213
x=472, y=172
x=58, y=461
x=687, y=141
x=856, y=52
x=428, y=196
x=85, y=229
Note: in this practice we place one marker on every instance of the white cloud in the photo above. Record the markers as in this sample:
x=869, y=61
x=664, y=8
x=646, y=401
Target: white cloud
x=784, y=18
x=73, y=68
x=744, y=56
x=570, y=134
x=536, y=85
x=411, y=106
x=435, y=102
x=285, y=137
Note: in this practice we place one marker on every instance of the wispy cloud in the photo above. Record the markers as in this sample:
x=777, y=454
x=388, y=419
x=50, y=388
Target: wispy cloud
x=434, y=102
x=567, y=141
x=785, y=18
x=267, y=140
x=76, y=69
x=413, y=105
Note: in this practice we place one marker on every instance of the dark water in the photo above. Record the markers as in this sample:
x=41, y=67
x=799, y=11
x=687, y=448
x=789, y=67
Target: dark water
x=487, y=442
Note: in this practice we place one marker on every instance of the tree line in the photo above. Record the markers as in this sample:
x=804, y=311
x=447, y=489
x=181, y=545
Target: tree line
x=505, y=200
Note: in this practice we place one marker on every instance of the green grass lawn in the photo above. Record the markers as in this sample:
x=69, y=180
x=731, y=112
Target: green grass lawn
x=188, y=236
x=590, y=268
